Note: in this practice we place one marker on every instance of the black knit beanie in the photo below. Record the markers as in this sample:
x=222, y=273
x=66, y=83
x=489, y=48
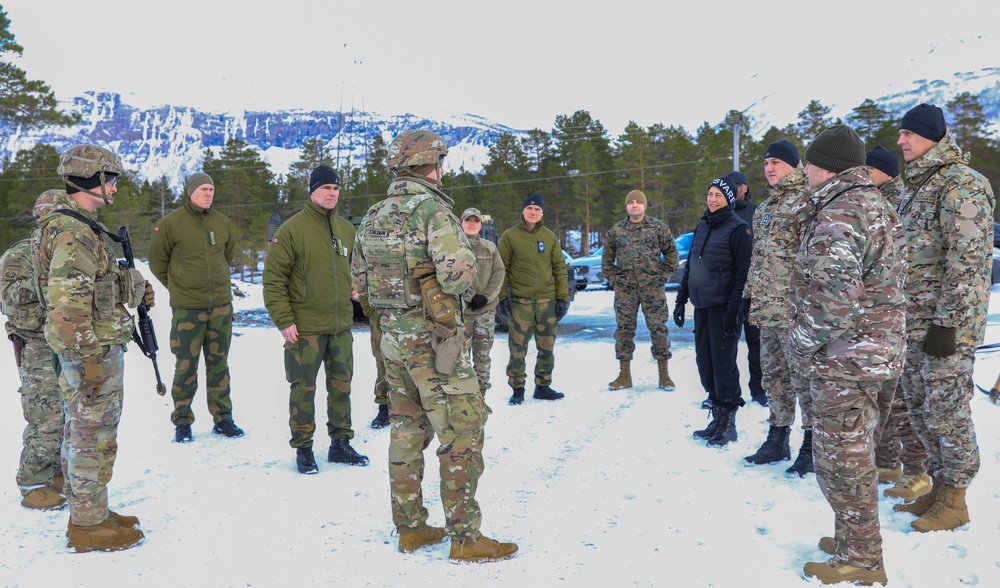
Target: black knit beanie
x=322, y=176
x=836, y=149
x=883, y=160
x=535, y=199
x=785, y=151
x=728, y=189
x=925, y=120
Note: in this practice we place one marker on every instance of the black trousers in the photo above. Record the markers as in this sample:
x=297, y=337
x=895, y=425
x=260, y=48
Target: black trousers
x=716, y=357
x=751, y=335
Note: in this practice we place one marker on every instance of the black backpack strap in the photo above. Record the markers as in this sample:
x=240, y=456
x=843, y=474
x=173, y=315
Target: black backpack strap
x=94, y=225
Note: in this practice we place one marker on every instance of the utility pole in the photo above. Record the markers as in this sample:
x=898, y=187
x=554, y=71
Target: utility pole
x=735, y=118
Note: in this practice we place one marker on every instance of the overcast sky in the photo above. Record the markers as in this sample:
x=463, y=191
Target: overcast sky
x=517, y=62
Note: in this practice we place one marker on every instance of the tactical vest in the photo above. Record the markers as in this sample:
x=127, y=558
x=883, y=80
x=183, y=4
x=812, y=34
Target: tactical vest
x=391, y=282
x=18, y=300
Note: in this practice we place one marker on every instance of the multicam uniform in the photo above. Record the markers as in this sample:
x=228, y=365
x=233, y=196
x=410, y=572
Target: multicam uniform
x=846, y=321
x=948, y=215
x=381, y=387
x=414, y=229
x=779, y=225
x=41, y=401
x=638, y=260
x=191, y=252
x=86, y=290
x=479, y=324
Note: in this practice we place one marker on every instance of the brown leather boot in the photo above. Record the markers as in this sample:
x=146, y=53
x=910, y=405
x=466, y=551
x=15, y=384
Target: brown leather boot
x=665, y=382
x=485, y=549
x=910, y=487
x=426, y=535
x=949, y=512
x=624, y=379
x=921, y=505
x=835, y=571
x=44, y=498
x=828, y=545
x=106, y=536
x=890, y=475
x=124, y=521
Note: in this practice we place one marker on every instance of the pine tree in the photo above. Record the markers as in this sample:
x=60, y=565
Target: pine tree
x=585, y=150
x=32, y=172
x=502, y=182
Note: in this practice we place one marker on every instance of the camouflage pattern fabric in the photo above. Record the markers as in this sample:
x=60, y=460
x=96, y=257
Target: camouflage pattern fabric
x=42, y=405
x=531, y=318
x=893, y=190
x=381, y=387
x=948, y=214
x=490, y=274
x=638, y=260
x=479, y=328
x=783, y=384
x=18, y=300
x=193, y=332
x=899, y=443
x=302, y=362
x=424, y=402
x=844, y=422
x=91, y=436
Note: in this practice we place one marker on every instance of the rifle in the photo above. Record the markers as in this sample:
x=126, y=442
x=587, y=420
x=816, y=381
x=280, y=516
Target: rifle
x=143, y=333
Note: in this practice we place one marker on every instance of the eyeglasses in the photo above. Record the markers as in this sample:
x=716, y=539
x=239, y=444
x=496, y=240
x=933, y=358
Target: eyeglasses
x=111, y=179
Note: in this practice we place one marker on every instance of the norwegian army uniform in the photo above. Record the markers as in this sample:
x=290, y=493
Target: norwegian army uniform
x=191, y=252
x=411, y=233
x=479, y=323
x=535, y=279
x=85, y=289
x=307, y=282
x=41, y=400
x=846, y=321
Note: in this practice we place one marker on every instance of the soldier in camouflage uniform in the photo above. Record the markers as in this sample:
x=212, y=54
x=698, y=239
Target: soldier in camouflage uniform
x=846, y=320
x=191, y=253
x=779, y=224
x=481, y=299
x=39, y=475
x=948, y=214
x=85, y=290
x=639, y=256
x=307, y=291
x=381, y=388
x=407, y=243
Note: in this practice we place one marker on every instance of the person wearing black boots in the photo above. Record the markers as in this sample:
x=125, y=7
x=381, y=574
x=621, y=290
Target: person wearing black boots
x=713, y=281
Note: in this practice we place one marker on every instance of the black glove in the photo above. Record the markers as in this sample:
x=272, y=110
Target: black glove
x=731, y=323
x=745, y=308
x=478, y=301
x=503, y=311
x=679, y=315
x=562, y=307
x=940, y=341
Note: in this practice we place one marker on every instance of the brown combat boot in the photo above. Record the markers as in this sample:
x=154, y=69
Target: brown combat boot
x=417, y=538
x=949, y=512
x=124, y=521
x=665, y=382
x=485, y=549
x=835, y=571
x=923, y=504
x=828, y=545
x=890, y=475
x=910, y=487
x=44, y=498
x=57, y=484
x=106, y=536
x=624, y=379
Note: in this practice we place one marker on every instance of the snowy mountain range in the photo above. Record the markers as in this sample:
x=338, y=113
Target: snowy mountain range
x=171, y=141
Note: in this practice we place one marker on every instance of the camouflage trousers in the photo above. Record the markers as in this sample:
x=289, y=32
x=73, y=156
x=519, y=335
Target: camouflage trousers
x=896, y=440
x=527, y=318
x=90, y=436
x=631, y=293
x=938, y=392
x=784, y=385
x=479, y=328
x=42, y=406
x=844, y=420
x=302, y=362
x=193, y=332
x=423, y=403
x=381, y=388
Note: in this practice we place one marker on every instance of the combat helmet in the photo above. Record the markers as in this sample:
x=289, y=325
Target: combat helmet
x=411, y=149
x=87, y=161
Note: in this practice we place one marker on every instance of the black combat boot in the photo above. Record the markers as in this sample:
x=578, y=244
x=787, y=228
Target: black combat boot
x=227, y=428
x=707, y=404
x=305, y=461
x=708, y=431
x=182, y=434
x=804, y=462
x=546, y=393
x=381, y=420
x=342, y=452
x=774, y=449
x=517, y=397
x=726, y=431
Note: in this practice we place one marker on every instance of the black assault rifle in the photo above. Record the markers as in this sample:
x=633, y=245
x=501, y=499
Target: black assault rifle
x=143, y=333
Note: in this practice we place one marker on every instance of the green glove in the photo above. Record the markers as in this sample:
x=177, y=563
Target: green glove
x=940, y=341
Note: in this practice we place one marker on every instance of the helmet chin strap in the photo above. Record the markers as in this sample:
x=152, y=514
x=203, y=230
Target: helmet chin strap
x=103, y=195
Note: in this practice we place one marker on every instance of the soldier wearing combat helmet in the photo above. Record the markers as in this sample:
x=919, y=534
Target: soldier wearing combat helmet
x=414, y=262
x=79, y=279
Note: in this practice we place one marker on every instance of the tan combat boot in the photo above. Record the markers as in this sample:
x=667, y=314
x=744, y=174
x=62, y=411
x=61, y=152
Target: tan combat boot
x=624, y=379
x=665, y=382
x=44, y=498
x=910, y=487
x=949, y=512
x=835, y=571
x=890, y=475
x=422, y=537
x=485, y=549
x=828, y=545
x=923, y=504
x=106, y=536
x=124, y=521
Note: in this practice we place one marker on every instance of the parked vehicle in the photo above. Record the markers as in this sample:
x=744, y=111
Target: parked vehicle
x=588, y=269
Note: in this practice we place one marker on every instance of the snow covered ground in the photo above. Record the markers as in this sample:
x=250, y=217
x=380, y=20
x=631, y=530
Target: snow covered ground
x=600, y=489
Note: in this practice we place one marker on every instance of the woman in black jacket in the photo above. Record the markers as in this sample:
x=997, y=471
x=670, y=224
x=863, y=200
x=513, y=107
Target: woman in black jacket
x=713, y=281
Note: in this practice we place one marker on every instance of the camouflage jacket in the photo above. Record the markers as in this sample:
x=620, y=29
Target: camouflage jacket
x=490, y=274
x=645, y=248
x=536, y=269
x=893, y=191
x=84, y=288
x=431, y=239
x=307, y=273
x=948, y=215
x=847, y=308
x=18, y=301
x=191, y=252
x=778, y=226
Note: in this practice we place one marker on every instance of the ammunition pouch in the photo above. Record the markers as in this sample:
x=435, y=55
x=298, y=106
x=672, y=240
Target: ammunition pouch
x=439, y=306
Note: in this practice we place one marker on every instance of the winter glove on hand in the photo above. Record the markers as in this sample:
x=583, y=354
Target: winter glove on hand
x=478, y=301
x=562, y=307
x=679, y=315
x=940, y=341
x=745, y=308
x=149, y=297
x=731, y=323
x=503, y=311
x=92, y=377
